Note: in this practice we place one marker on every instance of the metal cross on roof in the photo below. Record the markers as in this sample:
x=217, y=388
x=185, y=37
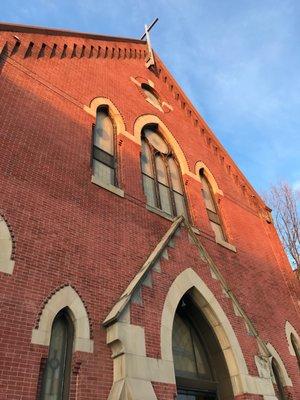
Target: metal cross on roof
x=150, y=59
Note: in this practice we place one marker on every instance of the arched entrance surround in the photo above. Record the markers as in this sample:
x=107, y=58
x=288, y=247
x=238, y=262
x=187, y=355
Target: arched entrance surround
x=188, y=280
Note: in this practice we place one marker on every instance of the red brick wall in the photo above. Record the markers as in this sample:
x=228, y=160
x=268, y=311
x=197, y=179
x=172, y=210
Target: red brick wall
x=69, y=231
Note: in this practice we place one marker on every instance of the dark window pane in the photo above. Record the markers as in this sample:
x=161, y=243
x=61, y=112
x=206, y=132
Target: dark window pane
x=161, y=170
x=149, y=190
x=151, y=95
x=207, y=195
x=189, y=356
x=103, y=173
x=146, y=160
x=175, y=176
x=218, y=231
x=278, y=379
x=57, y=372
x=183, y=351
x=213, y=217
x=180, y=204
x=296, y=348
x=104, y=132
x=165, y=201
x=156, y=140
x=104, y=157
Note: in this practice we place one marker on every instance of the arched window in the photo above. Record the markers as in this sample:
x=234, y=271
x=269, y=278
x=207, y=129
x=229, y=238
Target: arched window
x=56, y=380
x=162, y=179
x=198, y=359
x=278, y=379
x=296, y=348
x=104, y=160
x=151, y=95
x=211, y=207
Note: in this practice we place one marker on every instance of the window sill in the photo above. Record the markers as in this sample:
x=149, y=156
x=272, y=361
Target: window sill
x=226, y=245
x=159, y=212
x=107, y=186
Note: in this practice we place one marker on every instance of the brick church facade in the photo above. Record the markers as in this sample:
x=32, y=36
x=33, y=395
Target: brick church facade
x=136, y=260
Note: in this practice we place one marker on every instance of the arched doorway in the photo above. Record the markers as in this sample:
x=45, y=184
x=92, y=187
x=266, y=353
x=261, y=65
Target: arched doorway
x=200, y=367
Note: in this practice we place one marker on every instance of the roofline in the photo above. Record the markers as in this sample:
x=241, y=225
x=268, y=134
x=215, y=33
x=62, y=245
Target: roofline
x=197, y=113
x=6, y=26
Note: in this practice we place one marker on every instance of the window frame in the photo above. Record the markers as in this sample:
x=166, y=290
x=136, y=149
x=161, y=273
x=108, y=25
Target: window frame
x=65, y=380
x=278, y=378
x=94, y=148
x=165, y=157
x=214, y=217
x=208, y=383
x=295, y=345
x=145, y=87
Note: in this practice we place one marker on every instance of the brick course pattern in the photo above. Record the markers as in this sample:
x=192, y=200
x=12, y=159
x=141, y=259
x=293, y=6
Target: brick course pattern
x=69, y=231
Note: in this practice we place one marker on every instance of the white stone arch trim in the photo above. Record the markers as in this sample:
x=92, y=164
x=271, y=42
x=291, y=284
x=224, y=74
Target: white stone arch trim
x=289, y=330
x=241, y=381
x=65, y=297
x=6, y=248
x=286, y=380
x=145, y=119
x=113, y=112
x=209, y=175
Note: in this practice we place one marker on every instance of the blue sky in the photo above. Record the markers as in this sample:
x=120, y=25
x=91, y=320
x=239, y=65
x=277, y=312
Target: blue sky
x=237, y=60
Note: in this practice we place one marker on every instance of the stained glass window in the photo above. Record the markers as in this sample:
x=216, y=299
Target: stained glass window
x=57, y=372
x=104, y=148
x=162, y=180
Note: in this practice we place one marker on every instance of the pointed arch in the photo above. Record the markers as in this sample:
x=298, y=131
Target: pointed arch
x=286, y=380
x=68, y=298
x=207, y=303
x=289, y=331
x=210, y=177
x=113, y=111
x=146, y=119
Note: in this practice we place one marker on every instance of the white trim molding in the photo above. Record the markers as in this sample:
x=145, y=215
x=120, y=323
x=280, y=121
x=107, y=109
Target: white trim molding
x=213, y=183
x=241, y=381
x=113, y=112
x=286, y=380
x=65, y=297
x=6, y=248
x=289, y=330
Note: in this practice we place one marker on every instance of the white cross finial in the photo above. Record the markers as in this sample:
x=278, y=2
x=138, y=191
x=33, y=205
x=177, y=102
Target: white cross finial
x=150, y=58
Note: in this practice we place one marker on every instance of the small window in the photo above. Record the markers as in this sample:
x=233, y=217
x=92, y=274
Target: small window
x=104, y=160
x=295, y=345
x=278, y=379
x=56, y=380
x=151, y=95
x=211, y=208
x=162, y=179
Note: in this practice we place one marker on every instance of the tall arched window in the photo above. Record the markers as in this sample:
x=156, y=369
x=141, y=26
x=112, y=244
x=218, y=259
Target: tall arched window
x=56, y=380
x=278, y=379
x=200, y=367
x=162, y=179
x=211, y=207
x=104, y=160
x=296, y=348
